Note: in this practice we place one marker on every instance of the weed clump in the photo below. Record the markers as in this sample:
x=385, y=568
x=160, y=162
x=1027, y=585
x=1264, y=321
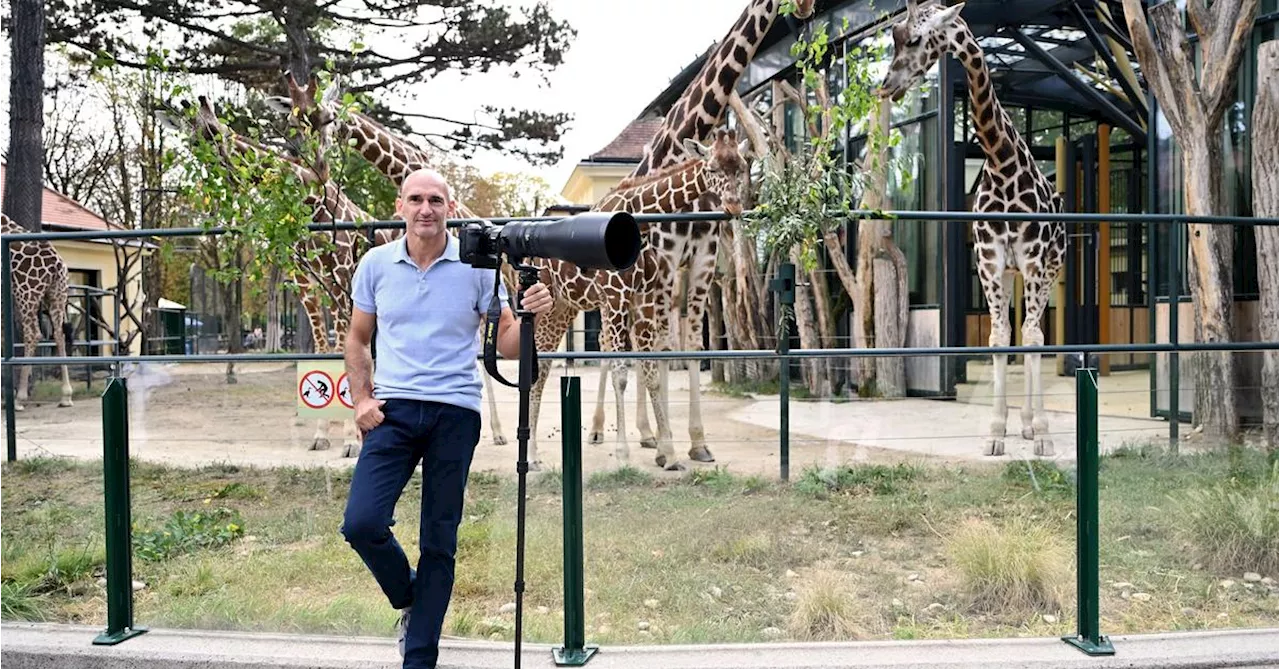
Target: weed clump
x=1017, y=567
x=1233, y=525
x=855, y=479
x=825, y=608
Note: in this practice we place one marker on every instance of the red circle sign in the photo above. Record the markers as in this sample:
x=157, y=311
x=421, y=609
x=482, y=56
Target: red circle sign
x=344, y=391
x=316, y=389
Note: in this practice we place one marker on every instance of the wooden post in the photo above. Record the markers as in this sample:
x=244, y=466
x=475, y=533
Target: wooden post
x=1104, y=246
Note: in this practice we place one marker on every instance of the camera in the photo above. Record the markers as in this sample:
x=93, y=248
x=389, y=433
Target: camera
x=590, y=240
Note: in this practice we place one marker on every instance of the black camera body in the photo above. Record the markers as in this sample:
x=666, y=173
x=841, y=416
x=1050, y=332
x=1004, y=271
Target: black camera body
x=590, y=240
x=479, y=245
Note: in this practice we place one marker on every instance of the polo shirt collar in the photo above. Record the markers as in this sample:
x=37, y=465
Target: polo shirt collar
x=450, y=249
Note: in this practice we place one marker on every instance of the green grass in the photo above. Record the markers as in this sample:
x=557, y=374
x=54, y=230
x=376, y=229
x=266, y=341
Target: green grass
x=709, y=556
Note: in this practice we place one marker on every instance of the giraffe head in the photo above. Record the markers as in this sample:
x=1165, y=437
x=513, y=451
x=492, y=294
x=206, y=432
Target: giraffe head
x=726, y=167
x=919, y=40
x=306, y=111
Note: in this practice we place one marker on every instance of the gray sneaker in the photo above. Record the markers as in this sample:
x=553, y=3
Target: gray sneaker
x=402, y=627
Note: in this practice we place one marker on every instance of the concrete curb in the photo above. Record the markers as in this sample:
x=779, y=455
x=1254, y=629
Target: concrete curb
x=41, y=646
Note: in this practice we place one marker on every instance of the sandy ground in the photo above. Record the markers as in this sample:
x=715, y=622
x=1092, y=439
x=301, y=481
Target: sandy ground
x=185, y=414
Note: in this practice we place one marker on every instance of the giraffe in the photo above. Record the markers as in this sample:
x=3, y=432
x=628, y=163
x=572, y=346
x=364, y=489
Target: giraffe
x=1010, y=182
x=39, y=279
x=324, y=271
x=394, y=156
x=631, y=301
x=692, y=247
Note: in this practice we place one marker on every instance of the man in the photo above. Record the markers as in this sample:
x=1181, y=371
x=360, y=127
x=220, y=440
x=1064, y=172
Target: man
x=421, y=404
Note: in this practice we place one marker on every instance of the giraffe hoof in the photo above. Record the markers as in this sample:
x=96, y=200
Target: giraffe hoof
x=701, y=454
x=320, y=444
x=649, y=443
x=350, y=450
x=595, y=438
x=1028, y=433
x=535, y=465
x=994, y=447
x=499, y=440
x=1043, y=446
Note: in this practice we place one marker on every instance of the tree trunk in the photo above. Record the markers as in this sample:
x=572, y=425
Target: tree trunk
x=891, y=380
x=272, y=342
x=1266, y=204
x=1210, y=281
x=24, y=173
x=815, y=376
x=826, y=327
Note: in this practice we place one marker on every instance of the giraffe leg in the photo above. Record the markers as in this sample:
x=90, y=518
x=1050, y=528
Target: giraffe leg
x=535, y=403
x=30, y=338
x=697, y=300
x=1035, y=425
x=647, y=438
x=616, y=337
x=998, y=306
x=596, y=436
x=499, y=439
x=57, y=315
x=655, y=378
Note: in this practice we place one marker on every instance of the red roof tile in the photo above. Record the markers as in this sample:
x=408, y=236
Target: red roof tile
x=629, y=145
x=61, y=211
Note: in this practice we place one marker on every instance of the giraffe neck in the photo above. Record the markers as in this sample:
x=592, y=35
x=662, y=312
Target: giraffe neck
x=675, y=189
x=394, y=156
x=702, y=106
x=1000, y=141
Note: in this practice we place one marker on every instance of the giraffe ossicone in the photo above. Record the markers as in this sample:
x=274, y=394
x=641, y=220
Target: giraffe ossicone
x=1010, y=182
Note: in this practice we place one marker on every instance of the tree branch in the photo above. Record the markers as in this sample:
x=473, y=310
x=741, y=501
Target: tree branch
x=1222, y=67
x=1155, y=67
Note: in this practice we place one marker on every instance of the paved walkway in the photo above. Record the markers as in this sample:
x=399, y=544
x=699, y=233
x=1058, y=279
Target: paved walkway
x=40, y=646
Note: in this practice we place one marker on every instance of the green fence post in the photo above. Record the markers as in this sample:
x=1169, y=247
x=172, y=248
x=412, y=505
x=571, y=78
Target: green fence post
x=1088, y=638
x=785, y=285
x=574, y=652
x=119, y=538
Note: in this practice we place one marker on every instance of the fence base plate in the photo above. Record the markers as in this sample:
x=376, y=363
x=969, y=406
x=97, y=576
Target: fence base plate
x=1088, y=647
x=113, y=638
x=570, y=657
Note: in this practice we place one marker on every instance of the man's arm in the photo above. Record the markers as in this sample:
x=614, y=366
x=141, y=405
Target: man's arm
x=358, y=362
x=538, y=300
x=356, y=354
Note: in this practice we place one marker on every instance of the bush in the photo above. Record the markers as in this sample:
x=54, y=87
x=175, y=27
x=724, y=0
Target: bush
x=1233, y=525
x=1017, y=567
x=825, y=609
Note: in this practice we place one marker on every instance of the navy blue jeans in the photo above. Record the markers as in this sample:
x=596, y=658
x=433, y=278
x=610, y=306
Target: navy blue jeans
x=443, y=437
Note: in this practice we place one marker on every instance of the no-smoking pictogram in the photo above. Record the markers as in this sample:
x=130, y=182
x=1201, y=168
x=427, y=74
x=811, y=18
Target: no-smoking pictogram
x=316, y=389
x=344, y=391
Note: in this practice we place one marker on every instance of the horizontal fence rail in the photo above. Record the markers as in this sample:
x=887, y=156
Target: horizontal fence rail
x=758, y=354
x=692, y=216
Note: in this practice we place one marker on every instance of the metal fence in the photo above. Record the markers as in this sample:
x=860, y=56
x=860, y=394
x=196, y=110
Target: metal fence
x=1088, y=637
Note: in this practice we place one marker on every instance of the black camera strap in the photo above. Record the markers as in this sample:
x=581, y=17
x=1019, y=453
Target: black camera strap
x=491, y=333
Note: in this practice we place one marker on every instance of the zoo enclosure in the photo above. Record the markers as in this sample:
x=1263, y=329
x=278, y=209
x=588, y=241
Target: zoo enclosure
x=1088, y=637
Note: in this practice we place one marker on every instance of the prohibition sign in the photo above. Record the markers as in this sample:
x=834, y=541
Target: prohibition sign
x=344, y=391
x=316, y=389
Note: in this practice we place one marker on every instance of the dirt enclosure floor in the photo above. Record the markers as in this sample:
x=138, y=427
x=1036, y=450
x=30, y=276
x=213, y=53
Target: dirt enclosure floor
x=186, y=414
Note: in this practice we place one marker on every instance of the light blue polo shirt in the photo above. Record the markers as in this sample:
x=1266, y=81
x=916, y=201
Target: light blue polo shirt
x=428, y=323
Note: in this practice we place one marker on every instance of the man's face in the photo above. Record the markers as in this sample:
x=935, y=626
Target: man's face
x=424, y=204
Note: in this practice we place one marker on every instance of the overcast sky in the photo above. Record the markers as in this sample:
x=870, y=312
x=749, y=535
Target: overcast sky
x=624, y=55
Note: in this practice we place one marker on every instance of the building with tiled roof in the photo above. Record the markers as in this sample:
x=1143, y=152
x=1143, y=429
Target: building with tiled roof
x=91, y=267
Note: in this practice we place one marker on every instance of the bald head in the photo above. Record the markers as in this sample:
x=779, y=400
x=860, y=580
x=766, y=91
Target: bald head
x=425, y=177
